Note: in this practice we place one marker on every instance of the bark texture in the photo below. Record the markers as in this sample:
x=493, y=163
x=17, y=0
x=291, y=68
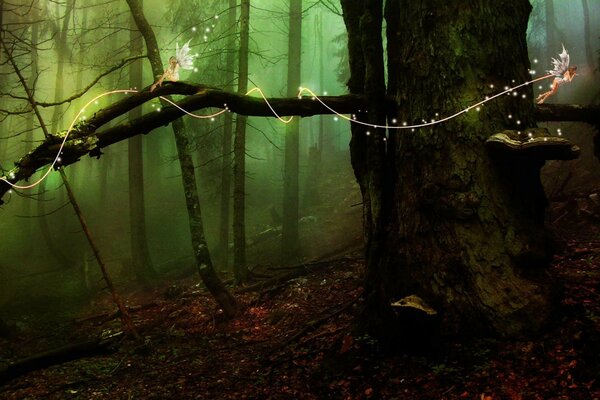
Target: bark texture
x=443, y=219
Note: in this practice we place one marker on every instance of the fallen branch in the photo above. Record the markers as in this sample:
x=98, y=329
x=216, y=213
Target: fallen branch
x=61, y=355
x=299, y=271
x=312, y=325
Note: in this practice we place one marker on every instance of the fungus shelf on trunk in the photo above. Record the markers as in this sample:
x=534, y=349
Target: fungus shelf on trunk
x=532, y=143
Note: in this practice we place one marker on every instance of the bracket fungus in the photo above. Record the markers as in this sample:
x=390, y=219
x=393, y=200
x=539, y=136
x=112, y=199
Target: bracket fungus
x=532, y=143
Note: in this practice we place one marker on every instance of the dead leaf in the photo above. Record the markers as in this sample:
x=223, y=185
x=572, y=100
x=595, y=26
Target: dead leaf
x=346, y=343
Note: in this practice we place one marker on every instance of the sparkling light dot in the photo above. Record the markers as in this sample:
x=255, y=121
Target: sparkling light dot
x=510, y=116
x=212, y=119
x=523, y=96
x=324, y=93
x=491, y=86
x=530, y=134
x=368, y=133
x=478, y=108
x=505, y=87
x=540, y=87
x=518, y=122
x=335, y=118
x=404, y=123
x=207, y=30
x=514, y=93
x=158, y=109
x=195, y=69
x=394, y=120
x=216, y=17
x=545, y=139
x=535, y=60
x=193, y=29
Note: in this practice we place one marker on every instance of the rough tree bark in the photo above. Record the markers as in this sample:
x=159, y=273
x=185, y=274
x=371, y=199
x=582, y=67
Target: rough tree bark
x=291, y=171
x=443, y=219
x=205, y=267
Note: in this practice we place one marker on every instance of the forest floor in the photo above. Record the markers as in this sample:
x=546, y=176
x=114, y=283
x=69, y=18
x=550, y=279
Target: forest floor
x=294, y=340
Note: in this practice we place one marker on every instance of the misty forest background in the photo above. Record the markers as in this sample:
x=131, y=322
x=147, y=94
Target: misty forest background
x=46, y=265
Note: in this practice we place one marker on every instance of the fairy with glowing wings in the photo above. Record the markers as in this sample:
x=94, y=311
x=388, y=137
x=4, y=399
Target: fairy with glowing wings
x=562, y=71
x=182, y=59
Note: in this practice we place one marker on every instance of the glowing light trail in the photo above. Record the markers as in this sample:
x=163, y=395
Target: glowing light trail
x=95, y=100
x=284, y=120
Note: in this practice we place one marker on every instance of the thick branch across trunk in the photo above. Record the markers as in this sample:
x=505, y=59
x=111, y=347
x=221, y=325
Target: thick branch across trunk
x=568, y=112
x=86, y=139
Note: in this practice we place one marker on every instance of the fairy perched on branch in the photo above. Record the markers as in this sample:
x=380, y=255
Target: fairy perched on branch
x=562, y=71
x=182, y=59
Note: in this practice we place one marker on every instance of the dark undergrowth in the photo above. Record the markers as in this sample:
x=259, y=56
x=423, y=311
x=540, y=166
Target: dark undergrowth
x=295, y=341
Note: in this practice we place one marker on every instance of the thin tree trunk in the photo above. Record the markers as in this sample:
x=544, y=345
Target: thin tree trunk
x=321, y=39
x=205, y=267
x=290, y=245
x=239, y=154
x=49, y=237
x=140, y=254
x=226, y=169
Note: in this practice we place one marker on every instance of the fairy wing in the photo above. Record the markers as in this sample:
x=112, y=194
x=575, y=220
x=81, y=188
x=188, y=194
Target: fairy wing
x=184, y=58
x=560, y=66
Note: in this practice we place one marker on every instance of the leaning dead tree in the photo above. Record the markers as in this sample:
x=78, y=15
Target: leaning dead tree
x=125, y=319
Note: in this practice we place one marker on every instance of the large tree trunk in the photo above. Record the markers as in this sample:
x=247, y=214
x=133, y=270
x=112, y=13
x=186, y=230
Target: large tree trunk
x=205, y=267
x=140, y=254
x=240, y=268
x=291, y=203
x=226, y=169
x=443, y=219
